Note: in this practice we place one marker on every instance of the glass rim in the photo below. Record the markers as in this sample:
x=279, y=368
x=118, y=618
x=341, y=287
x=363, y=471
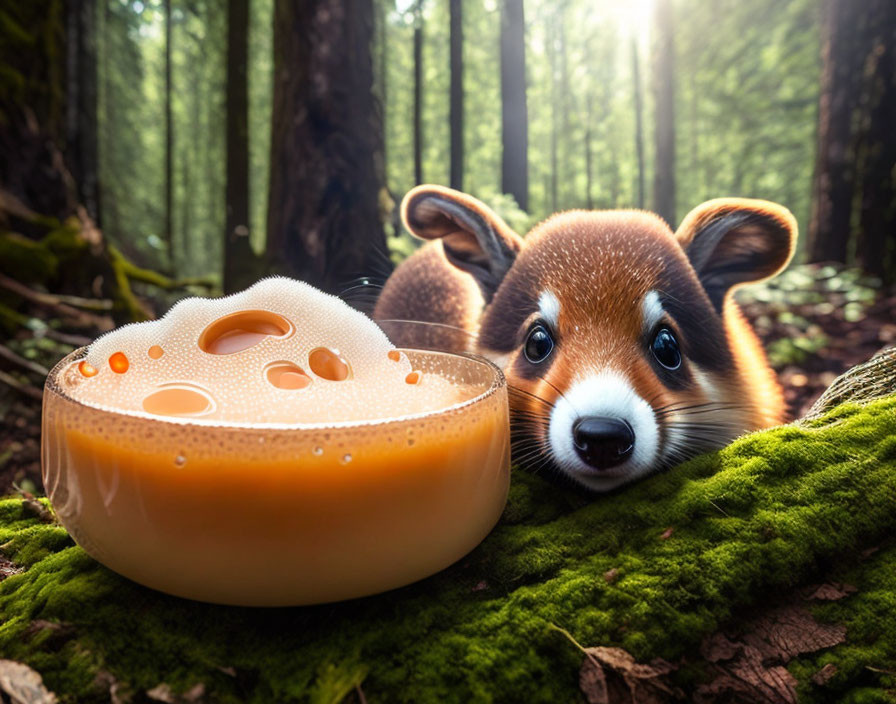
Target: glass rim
x=496, y=383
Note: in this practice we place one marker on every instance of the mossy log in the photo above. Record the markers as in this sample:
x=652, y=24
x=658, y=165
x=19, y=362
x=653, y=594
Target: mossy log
x=652, y=569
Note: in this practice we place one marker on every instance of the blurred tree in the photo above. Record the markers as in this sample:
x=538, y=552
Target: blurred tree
x=854, y=189
x=876, y=247
x=456, y=117
x=239, y=259
x=323, y=214
x=664, y=111
x=418, y=92
x=82, y=156
x=639, y=129
x=169, y=146
x=833, y=188
x=514, y=116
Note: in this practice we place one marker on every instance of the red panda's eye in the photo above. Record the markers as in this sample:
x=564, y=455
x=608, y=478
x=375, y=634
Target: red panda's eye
x=539, y=344
x=665, y=349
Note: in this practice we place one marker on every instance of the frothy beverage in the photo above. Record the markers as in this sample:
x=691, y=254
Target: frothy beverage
x=281, y=430
x=280, y=352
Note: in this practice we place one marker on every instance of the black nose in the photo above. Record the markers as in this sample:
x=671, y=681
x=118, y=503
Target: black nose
x=603, y=442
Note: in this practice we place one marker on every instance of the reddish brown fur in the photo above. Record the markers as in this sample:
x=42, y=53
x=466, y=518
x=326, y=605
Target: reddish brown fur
x=600, y=265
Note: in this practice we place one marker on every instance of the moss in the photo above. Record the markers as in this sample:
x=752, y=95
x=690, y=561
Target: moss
x=760, y=516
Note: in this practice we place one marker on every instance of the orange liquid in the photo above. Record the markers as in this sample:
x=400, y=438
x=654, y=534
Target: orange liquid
x=309, y=515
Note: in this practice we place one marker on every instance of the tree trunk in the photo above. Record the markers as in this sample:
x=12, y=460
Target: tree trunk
x=169, y=146
x=876, y=246
x=238, y=254
x=323, y=214
x=457, y=94
x=514, y=115
x=418, y=92
x=551, y=50
x=833, y=184
x=664, y=100
x=589, y=157
x=639, y=126
x=82, y=155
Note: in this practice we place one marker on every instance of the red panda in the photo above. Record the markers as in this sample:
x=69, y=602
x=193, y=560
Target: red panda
x=623, y=348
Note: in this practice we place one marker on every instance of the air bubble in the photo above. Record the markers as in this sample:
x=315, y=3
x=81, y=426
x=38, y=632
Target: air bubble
x=287, y=376
x=179, y=400
x=119, y=363
x=180, y=460
x=318, y=451
x=86, y=369
x=239, y=331
x=346, y=458
x=328, y=364
x=155, y=352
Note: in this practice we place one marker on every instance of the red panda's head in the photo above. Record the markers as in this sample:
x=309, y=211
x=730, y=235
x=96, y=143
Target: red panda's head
x=618, y=337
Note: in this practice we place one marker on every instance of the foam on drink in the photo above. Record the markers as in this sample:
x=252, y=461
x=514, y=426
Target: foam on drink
x=279, y=352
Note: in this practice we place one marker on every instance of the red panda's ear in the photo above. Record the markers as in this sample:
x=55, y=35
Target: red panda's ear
x=732, y=241
x=475, y=238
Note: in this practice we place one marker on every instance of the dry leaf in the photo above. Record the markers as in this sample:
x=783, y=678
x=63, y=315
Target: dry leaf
x=611, y=575
x=162, y=693
x=23, y=685
x=613, y=676
x=830, y=592
x=752, y=669
x=824, y=675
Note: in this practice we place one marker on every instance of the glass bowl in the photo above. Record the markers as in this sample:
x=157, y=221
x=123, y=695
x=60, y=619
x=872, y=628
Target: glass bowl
x=276, y=514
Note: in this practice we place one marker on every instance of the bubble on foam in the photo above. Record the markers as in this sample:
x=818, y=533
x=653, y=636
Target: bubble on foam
x=279, y=352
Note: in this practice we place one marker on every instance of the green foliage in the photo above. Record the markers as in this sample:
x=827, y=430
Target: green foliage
x=746, y=523
x=746, y=100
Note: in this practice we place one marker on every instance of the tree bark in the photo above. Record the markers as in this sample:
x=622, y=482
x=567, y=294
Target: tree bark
x=514, y=115
x=551, y=50
x=323, y=215
x=876, y=246
x=456, y=118
x=664, y=100
x=639, y=126
x=238, y=254
x=833, y=183
x=169, y=146
x=418, y=92
x=82, y=156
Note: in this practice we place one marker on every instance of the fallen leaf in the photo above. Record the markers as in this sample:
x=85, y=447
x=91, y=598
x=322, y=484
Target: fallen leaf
x=8, y=569
x=824, y=675
x=613, y=676
x=752, y=669
x=23, y=685
x=747, y=679
x=830, y=592
x=162, y=693
x=610, y=575
x=118, y=693
x=788, y=631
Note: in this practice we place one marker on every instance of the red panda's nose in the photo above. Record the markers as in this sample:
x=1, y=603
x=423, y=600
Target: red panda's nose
x=603, y=442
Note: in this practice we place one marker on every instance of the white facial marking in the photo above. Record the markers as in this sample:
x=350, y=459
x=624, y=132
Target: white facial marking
x=608, y=394
x=549, y=307
x=651, y=310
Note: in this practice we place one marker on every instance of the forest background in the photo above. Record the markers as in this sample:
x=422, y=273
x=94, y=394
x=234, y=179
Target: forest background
x=154, y=148
x=184, y=122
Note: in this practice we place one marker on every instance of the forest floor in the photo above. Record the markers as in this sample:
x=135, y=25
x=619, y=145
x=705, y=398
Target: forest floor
x=815, y=321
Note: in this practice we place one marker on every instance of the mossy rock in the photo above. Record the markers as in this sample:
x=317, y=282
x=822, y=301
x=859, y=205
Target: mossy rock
x=652, y=569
